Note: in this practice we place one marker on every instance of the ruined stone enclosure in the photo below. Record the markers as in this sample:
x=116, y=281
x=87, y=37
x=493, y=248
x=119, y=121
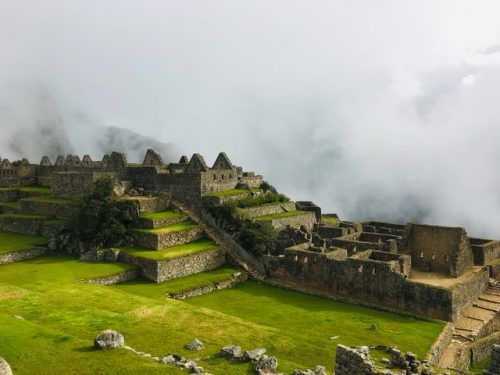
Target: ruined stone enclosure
x=427, y=270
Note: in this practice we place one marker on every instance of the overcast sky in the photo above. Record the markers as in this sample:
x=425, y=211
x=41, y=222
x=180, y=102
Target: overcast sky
x=372, y=109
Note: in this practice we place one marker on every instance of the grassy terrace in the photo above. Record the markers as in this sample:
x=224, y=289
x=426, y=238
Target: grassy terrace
x=50, y=199
x=227, y=193
x=280, y=215
x=184, y=225
x=10, y=242
x=156, y=291
x=329, y=220
x=30, y=189
x=60, y=318
x=23, y=216
x=10, y=204
x=171, y=252
x=162, y=215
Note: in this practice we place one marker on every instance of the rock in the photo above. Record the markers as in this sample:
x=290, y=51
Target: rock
x=109, y=339
x=146, y=355
x=373, y=327
x=197, y=370
x=133, y=193
x=266, y=364
x=231, y=351
x=320, y=370
x=157, y=359
x=195, y=345
x=189, y=364
x=4, y=367
x=254, y=355
x=172, y=358
x=303, y=372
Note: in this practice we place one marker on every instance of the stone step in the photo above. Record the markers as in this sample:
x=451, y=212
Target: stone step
x=168, y=236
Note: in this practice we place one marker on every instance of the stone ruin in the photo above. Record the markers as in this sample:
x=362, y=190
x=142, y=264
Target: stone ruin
x=494, y=367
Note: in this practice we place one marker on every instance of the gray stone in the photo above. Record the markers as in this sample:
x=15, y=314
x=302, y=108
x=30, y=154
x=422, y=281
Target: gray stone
x=320, y=370
x=189, y=364
x=109, y=339
x=231, y=351
x=195, y=345
x=4, y=367
x=197, y=370
x=171, y=358
x=266, y=364
x=254, y=355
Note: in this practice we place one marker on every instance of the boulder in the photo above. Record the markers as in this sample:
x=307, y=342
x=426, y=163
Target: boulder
x=254, y=355
x=195, y=345
x=109, y=339
x=266, y=364
x=4, y=367
x=231, y=351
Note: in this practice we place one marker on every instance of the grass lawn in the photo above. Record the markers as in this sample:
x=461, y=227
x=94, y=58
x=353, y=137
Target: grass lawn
x=171, y=252
x=153, y=290
x=162, y=215
x=184, y=225
x=50, y=199
x=10, y=242
x=60, y=318
x=330, y=220
x=280, y=215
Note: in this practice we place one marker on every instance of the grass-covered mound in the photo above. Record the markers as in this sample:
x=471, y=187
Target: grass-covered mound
x=60, y=318
x=171, y=252
x=10, y=242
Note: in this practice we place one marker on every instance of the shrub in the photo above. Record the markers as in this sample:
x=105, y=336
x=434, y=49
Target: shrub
x=258, y=237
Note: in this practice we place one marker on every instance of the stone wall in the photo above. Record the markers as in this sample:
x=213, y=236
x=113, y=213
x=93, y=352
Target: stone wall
x=484, y=251
x=159, y=271
x=267, y=209
x=163, y=240
x=58, y=210
x=73, y=184
x=17, y=256
x=308, y=219
x=476, y=352
x=441, y=249
x=236, y=279
x=115, y=279
x=468, y=291
x=494, y=367
x=350, y=361
x=33, y=226
x=363, y=280
x=436, y=351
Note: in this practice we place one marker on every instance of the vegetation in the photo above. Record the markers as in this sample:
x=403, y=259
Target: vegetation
x=260, y=200
x=480, y=366
x=54, y=200
x=328, y=220
x=184, y=225
x=171, y=252
x=227, y=193
x=60, y=318
x=31, y=189
x=258, y=237
x=161, y=215
x=10, y=242
x=280, y=215
x=153, y=290
x=102, y=220
x=24, y=216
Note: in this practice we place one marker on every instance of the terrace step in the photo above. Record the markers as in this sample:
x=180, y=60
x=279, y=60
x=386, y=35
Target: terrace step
x=267, y=209
x=155, y=220
x=214, y=236
x=31, y=224
x=167, y=236
x=47, y=206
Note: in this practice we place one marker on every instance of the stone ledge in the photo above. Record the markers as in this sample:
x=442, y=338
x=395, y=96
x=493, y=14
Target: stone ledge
x=17, y=256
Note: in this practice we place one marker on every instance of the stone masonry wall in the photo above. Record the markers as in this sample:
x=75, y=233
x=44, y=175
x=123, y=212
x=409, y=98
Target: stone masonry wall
x=467, y=292
x=60, y=211
x=436, y=352
x=494, y=367
x=350, y=361
x=211, y=288
x=18, y=256
x=163, y=240
x=159, y=271
x=115, y=279
x=307, y=219
x=267, y=209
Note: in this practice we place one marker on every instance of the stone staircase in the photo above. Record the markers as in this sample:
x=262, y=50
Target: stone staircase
x=470, y=326
x=215, y=236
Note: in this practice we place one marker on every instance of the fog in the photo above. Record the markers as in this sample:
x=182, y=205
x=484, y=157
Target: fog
x=375, y=110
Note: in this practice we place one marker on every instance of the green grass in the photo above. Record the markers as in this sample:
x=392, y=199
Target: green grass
x=171, y=252
x=330, y=220
x=10, y=204
x=280, y=215
x=161, y=215
x=60, y=318
x=30, y=189
x=480, y=366
x=184, y=225
x=227, y=193
x=54, y=200
x=23, y=216
x=153, y=290
x=10, y=242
